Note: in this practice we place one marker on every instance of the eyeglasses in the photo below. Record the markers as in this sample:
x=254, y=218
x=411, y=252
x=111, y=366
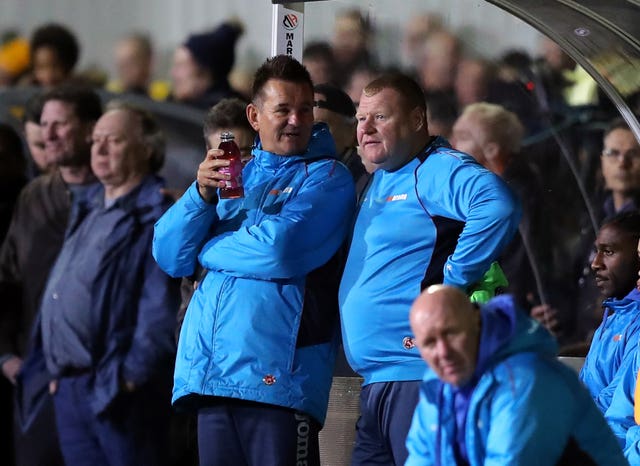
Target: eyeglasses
x=631, y=154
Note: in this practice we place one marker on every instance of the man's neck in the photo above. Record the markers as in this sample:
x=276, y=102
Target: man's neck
x=621, y=198
x=77, y=175
x=114, y=192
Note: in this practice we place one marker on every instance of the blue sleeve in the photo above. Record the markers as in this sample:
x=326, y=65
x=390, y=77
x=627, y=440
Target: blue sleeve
x=181, y=231
x=452, y=186
x=620, y=413
x=632, y=445
x=307, y=231
x=420, y=442
x=520, y=420
x=530, y=413
x=153, y=345
x=603, y=400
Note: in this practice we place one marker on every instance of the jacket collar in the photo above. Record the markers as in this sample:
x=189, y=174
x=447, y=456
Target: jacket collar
x=320, y=145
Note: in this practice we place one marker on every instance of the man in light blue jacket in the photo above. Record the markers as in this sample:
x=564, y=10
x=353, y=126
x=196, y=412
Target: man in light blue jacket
x=614, y=343
x=496, y=394
x=430, y=215
x=257, y=346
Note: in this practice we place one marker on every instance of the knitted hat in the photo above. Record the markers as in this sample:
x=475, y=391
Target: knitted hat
x=215, y=50
x=334, y=100
x=14, y=57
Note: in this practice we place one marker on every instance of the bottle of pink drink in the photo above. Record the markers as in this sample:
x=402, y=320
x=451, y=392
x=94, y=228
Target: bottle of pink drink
x=233, y=188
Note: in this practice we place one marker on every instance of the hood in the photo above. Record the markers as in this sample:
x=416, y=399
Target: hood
x=321, y=145
x=506, y=330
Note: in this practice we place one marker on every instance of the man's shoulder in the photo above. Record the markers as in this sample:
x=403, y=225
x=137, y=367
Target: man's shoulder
x=326, y=166
x=49, y=188
x=443, y=155
x=46, y=180
x=521, y=371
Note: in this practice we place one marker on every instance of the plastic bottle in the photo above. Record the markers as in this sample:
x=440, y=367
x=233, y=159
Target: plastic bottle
x=233, y=188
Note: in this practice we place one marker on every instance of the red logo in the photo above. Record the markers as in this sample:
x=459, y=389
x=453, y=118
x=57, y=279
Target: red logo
x=408, y=343
x=617, y=337
x=290, y=21
x=269, y=379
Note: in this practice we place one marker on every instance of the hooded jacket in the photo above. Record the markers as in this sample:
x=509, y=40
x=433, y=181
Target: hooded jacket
x=623, y=414
x=526, y=407
x=253, y=329
x=614, y=342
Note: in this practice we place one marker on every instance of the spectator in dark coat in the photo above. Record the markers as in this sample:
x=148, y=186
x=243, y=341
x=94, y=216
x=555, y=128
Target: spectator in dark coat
x=108, y=311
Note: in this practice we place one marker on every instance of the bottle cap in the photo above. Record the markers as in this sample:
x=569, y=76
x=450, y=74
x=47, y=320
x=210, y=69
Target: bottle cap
x=227, y=136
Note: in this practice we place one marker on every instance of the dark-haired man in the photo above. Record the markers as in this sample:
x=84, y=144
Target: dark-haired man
x=107, y=315
x=32, y=244
x=615, y=266
x=256, y=350
x=430, y=215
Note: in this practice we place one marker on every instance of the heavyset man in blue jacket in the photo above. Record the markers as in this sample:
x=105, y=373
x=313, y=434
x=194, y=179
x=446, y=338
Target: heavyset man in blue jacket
x=256, y=349
x=496, y=394
x=430, y=215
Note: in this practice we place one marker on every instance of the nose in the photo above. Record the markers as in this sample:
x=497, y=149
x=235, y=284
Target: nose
x=365, y=125
x=99, y=146
x=48, y=132
x=624, y=160
x=295, y=117
x=443, y=349
x=596, y=263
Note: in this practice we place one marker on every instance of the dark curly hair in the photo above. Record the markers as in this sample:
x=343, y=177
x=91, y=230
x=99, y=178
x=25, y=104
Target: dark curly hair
x=60, y=39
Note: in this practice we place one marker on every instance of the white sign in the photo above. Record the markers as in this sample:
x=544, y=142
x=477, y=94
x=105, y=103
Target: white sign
x=287, y=30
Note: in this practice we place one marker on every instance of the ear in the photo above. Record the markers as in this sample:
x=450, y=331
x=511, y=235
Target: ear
x=491, y=151
x=418, y=119
x=148, y=151
x=88, y=130
x=252, y=116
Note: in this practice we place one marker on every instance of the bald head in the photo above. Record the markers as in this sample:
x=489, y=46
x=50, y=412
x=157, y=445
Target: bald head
x=446, y=326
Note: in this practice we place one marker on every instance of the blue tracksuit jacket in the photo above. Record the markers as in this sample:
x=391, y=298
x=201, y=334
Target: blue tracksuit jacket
x=245, y=334
x=441, y=218
x=620, y=414
x=614, y=342
x=527, y=408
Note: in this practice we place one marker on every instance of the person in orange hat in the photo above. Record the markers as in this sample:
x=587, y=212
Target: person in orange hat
x=14, y=61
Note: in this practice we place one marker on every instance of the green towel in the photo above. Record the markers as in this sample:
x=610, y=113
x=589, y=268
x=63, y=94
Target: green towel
x=485, y=289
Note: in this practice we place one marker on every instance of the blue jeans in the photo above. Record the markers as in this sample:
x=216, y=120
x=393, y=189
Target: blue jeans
x=386, y=410
x=133, y=431
x=245, y=433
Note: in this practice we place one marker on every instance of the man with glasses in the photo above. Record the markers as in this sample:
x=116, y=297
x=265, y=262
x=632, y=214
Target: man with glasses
x=621, y=168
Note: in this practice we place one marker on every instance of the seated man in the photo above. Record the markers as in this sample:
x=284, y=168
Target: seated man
x=496, y=393
x=623, y=414
x=616, y=266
